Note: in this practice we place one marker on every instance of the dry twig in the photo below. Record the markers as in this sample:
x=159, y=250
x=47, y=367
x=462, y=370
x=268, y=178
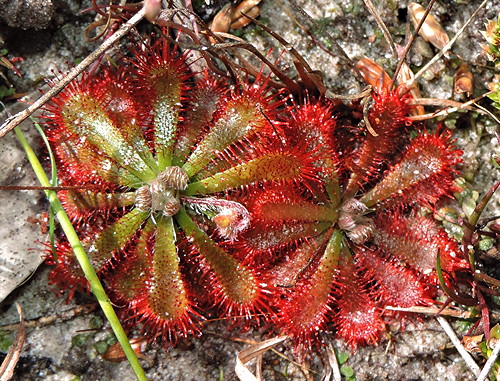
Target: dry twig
x=490, y=363
x=15, y=120
x=47, y=320
x=460, y=348
x=10, y=361
x=334, y=369
x=450, y=44
x=435, y=310
x=253, y=352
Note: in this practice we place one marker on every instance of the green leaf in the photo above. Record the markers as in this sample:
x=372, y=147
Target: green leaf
x=496, y=161
x=5, y=341
x=101, y=346
x=95, y=322
x=342, y=357
x=241, y=119
x=87, y=117
x=80, y=340
x=111, y=339
x=166, y=108
x=274, y=166
x=114, y=237
x=4, y=91
x=346, y=371
x=167, y=293
x=495, y=331
x=486, y=243
x=237, y=281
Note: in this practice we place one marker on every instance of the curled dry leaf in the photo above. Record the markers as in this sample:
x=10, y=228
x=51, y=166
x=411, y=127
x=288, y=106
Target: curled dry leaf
x=471, y=343
x=463, y=81
x=115, y=352
x=431, y=30
x=251, y=353
x=246, y=7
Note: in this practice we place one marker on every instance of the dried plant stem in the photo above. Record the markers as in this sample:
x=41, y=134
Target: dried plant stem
x=382, y=27
x=15, y=120
x=51, y=319
x=334, y=364
x=253, y=352
x=460, y=348
x=452, y=106
x=83, y=260
x=10, y=361
x=253, y=342
x=449, y=44
x=411, y=41
x=459, y=314
x=473, y=219
x=490, y=363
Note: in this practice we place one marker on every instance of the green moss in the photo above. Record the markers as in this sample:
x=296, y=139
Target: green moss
x=5, y=341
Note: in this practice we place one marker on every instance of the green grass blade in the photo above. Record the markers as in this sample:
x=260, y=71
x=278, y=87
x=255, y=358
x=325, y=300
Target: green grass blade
x=82, y=258
x=53, y=181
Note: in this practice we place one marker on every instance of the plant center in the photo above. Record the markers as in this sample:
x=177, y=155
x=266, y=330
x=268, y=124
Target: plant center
x=163, y=194
x=353, y=221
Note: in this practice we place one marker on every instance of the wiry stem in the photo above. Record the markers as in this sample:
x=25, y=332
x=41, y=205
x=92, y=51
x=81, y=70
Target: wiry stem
x=460, y=348
x=449, y=44
x=483, y=376
x=309, y=21
x=467, y=238
x=411, y=42
x=15, y=120
x=447, y=290
x=382, y=27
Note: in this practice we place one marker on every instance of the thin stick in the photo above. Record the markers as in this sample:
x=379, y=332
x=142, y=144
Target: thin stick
x=10, y=361
x=492, y=116
x=251, y=353
x=459, y=106
x=459, y=314
x=449, y=44
x=363, y=94
x=334, y=364
x=51, y=319
x=366, y=109
x=460, y=348
x=382, y=27
x=308, y=29
x=15, y=120
x=411, y=42
x=490, y=363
